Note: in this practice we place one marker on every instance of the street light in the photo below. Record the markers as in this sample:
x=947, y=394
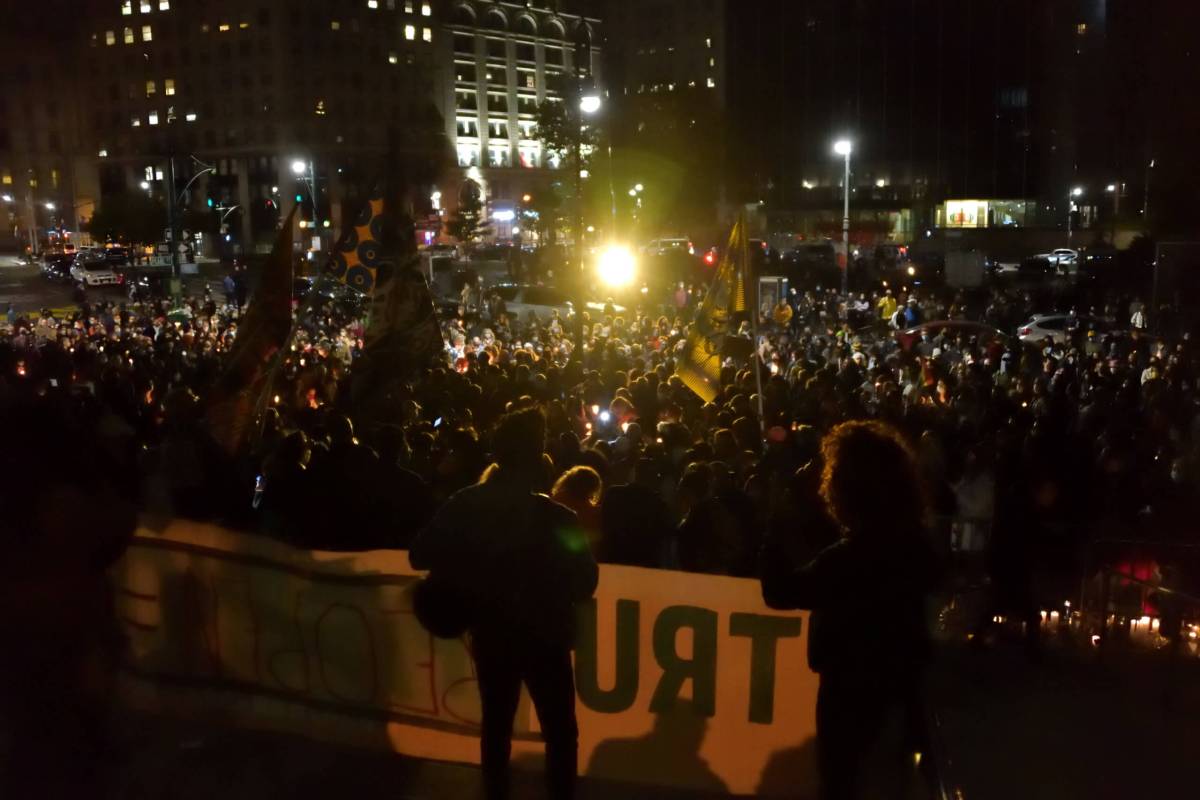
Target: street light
x=49, y=206
x=843, y=147
x=616, y=266
x=8, y=198
x=145, y=185
x=1115, y=190
x=589, y=102
x=299, y=167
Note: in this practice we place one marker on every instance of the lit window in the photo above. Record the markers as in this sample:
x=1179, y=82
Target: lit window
x=164, y=5
x=410, y=32
x=127, y=8
x=54, y=178
x=152, y=118
x=712, y=84
x=129, y=36
x=158, y=174
x=146, y=7
x=335, y=25
x=147, y=34
x=712, y=62
x=320, y=110
x=169, y=86
x=6, y=179
x=110, y=37
x=708, y=43
x=391, y=4
x=468, y=155
x=224, y=26
x=243, y=25
x=151, y=88
x=372, y=4
x=135, y=121
x=408, y=7
x=191, y=116
x=103, y=153
x=426, y=10
x=393, y=58
x=427, y=34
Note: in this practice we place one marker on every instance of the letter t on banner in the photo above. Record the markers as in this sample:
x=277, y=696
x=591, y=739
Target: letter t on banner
x=764, y=632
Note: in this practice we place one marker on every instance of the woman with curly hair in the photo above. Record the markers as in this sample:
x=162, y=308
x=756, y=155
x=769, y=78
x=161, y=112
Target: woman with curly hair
x=868, y=639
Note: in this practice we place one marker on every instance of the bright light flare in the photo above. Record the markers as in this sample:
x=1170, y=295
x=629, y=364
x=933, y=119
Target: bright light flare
x=589, y=103
x=616, y=266
x=299, y=167
x=843, y=147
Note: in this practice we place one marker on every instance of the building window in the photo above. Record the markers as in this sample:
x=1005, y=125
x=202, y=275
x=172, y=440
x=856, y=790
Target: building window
x=468, y=127
x=151, y=88
x=426, y=10
x=191, y=116
x=465, y=101
x=335, y=25
x=708, y=43
x=527, y=128
x=464, y=44
x=410, y=32
x=393, y=58
x=408, y=6
x=145, y=7
x=147, y=34
x=164, y=5
x=712, y=84
x=465, y=73
x=129, y=36
x=372, y=4
x=135, y=121
x=54, y=178
x=498, y=102
x=530, y=156
x=427, y=34
x=468, y=155
x=127, y=8
x=1081, y=29
x=223, y=27
x=110, y=37
x=152, y=118
x=6, y=178
x=498, y=129
x=499, y=156
x=169, y=86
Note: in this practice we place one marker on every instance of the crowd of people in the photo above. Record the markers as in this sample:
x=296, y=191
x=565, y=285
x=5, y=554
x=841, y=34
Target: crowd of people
x=1024, y=454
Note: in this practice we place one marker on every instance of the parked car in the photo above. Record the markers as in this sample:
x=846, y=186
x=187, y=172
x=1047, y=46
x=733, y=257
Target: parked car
x=56, y=267
x=659, y=247
x=993, y=339
x=1040, y=327
x=1062, y=257
x=117, y=255
x=520, y=300
x=91, y=270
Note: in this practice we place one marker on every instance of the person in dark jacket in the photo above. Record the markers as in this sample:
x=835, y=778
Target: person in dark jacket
x=868, y=639
x=521, y=563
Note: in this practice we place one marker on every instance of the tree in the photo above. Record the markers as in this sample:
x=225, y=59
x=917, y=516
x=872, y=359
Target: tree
x=128, y=217
x=468, y=222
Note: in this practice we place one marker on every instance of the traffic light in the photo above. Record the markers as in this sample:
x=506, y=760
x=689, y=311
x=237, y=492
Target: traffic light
x=210, y=202
x=299, y=198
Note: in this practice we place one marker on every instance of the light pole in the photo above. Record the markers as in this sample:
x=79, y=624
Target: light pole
x=305, y=170
x=589, y=103
x=1075, y=192
x=1115, y=189
x=843, y=147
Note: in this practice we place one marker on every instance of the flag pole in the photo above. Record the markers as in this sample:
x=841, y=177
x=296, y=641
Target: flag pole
x=750, y=280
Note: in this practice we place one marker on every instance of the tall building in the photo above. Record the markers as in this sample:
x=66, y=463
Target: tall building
x=668, y=67
x=347, y=88
x=505, y=59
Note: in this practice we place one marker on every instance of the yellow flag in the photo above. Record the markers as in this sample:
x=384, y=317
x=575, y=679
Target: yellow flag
x=699, y=365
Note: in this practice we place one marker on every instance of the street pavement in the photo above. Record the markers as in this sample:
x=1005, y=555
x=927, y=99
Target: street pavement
x=23, y=285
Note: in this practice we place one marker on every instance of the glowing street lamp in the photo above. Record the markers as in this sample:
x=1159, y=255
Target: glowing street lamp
x=50, y=206
x=589, y=102
x=843, y=147
x=299, y=167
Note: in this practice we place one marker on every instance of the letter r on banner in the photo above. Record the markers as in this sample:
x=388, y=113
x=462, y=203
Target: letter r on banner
x=701, y=668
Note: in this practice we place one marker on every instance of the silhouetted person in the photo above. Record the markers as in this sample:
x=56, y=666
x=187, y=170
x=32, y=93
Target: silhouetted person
x=520, y=563
x=867, y=639
x=635, y=521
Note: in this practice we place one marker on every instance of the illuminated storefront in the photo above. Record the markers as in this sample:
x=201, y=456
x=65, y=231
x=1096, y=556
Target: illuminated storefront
x=984, y=213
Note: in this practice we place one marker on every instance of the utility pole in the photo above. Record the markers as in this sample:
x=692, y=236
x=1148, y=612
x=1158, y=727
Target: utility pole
x=173, y=224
